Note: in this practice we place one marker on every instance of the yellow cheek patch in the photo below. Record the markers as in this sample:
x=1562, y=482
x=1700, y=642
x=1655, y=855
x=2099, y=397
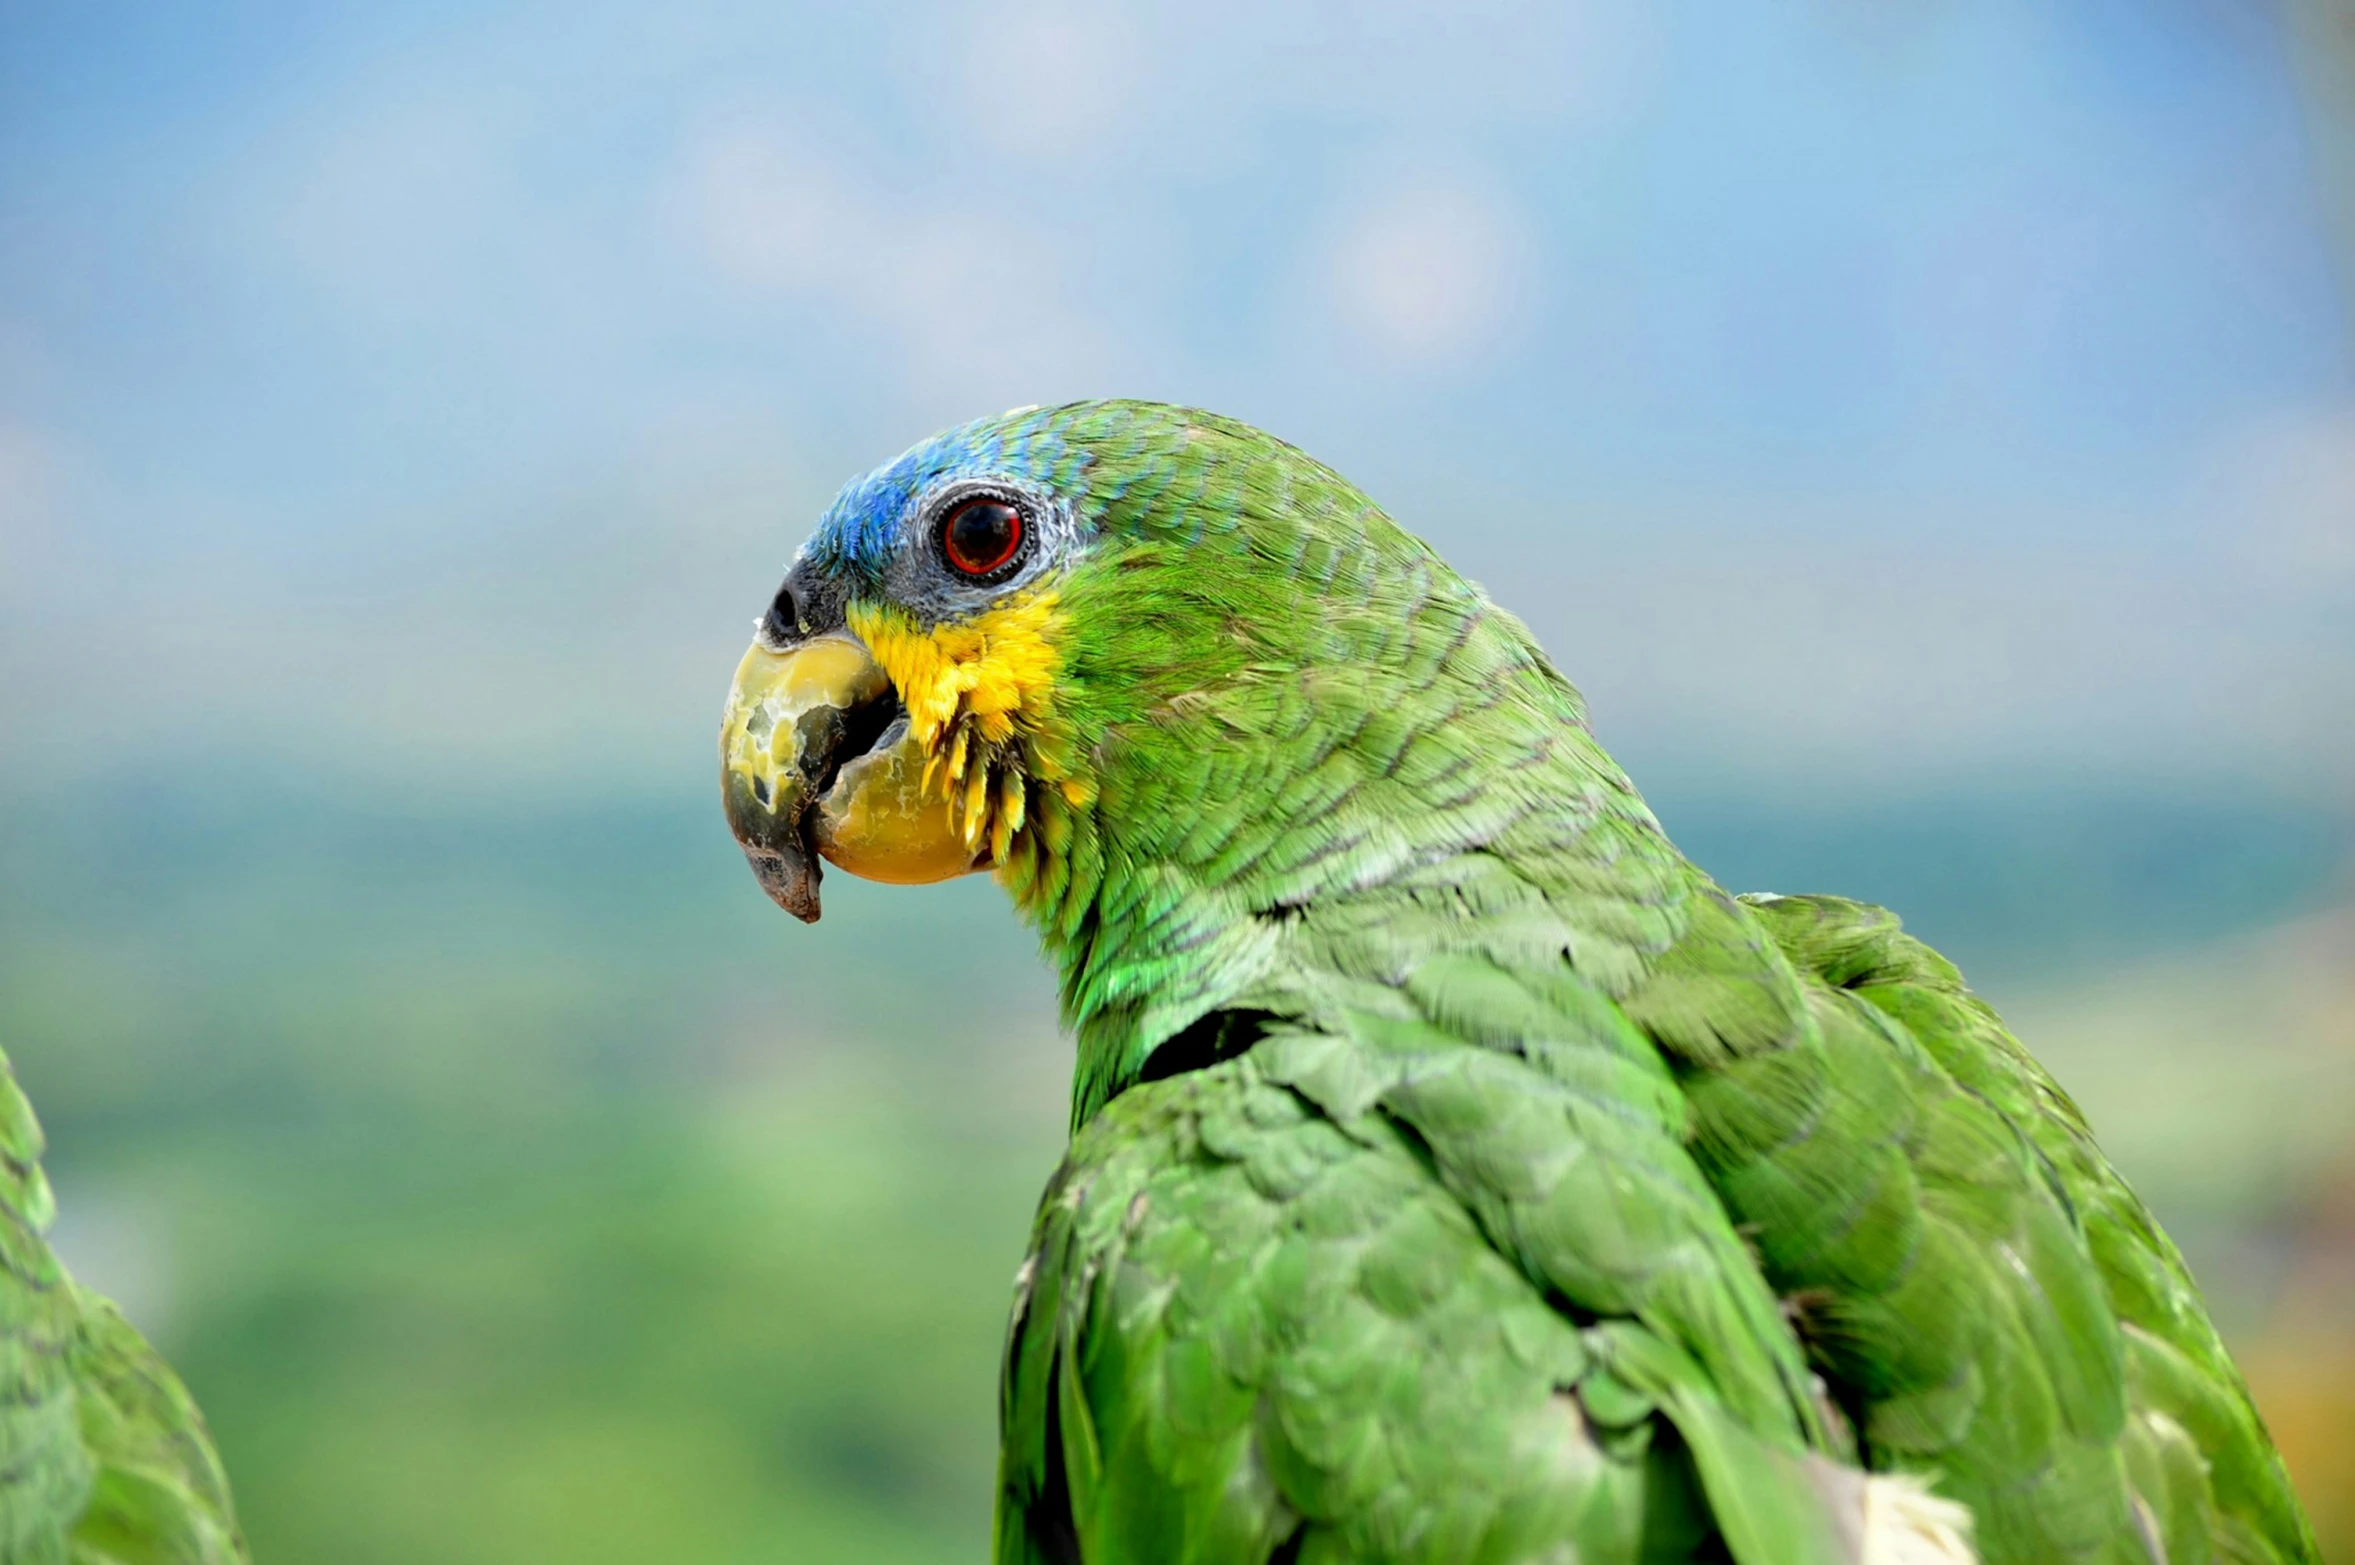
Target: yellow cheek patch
x=971, y=687
x=989, y=668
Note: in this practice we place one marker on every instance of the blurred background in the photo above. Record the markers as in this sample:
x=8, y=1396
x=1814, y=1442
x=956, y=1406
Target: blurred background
x=1925, y=431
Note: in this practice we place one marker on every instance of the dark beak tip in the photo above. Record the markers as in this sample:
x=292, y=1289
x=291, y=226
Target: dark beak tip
x=790, y=876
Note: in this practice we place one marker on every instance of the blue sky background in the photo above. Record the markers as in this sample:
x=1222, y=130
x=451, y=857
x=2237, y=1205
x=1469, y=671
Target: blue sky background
x=1855, y=397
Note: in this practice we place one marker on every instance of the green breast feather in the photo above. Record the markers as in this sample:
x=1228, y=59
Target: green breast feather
x=1458, y=1175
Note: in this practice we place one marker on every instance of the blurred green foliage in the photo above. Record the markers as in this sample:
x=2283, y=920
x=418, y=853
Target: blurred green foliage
x=514, y=1183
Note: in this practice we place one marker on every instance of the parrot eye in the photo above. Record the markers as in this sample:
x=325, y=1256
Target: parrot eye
x=981, y=536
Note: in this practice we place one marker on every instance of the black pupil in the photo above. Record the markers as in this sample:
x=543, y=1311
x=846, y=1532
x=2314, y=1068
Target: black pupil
x=983, y=535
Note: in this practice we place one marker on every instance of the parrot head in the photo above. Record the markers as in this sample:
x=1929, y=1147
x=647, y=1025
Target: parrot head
x=897, y=708
x=1184, y=690
x=1194, y=700
x=984, y=634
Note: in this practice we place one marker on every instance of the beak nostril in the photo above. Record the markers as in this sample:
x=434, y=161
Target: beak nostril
x=782, y=623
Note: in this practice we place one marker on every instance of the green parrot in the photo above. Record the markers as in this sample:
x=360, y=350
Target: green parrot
x=1457, y=1175
x=104, y=1459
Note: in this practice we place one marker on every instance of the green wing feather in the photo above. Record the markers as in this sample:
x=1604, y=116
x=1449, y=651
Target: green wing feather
x=1249, y=1332
x=104, y=1459
x=2107, y=1317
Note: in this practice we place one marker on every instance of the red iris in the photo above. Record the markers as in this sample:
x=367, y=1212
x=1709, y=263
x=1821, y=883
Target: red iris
x=981, y=535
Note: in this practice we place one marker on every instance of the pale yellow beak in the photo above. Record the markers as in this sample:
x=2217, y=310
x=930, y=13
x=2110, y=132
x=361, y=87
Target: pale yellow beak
x=815, y=754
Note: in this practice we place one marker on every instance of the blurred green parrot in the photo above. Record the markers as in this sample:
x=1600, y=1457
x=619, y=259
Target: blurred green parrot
x=104, y=1460
x=1457, y=1175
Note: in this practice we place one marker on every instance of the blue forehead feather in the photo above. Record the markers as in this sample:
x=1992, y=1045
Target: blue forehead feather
x=862, y=529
